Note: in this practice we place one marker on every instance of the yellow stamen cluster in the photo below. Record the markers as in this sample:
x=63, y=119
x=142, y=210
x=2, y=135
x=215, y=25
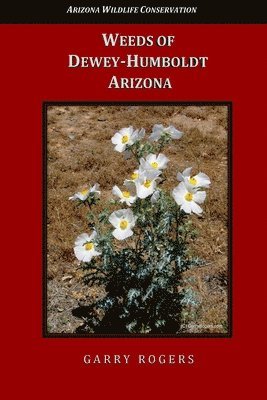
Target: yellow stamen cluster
x=126, y=194
x=123, y=224
x=134, y=176
x=84, y=192
x=193, y=181
x=124, y=139
x=89, y=246
x=188, y=196
x=154, y=165
x=147, y=184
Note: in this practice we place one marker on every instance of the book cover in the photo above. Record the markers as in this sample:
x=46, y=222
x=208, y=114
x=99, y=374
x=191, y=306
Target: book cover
x=133, y=139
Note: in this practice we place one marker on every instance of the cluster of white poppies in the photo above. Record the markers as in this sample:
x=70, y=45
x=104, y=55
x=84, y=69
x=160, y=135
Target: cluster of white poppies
x=143, y=180
x=142, y=183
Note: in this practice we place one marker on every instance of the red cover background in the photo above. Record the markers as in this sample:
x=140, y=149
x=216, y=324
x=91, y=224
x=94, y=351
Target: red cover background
x=34, y=69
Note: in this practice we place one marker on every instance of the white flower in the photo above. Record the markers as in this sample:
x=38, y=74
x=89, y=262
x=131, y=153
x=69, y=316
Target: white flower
x=187, y=198
x=85, y=193
x=146, y=183
x=125, y=137
x=159, y=130
x=200, y=180
x=152, y=161
x=85, y=248
x=82, y=195
x=122, y=220
x=125, y=195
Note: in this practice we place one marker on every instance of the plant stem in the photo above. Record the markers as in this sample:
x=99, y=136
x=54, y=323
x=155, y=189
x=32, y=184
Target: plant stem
x=134, y=154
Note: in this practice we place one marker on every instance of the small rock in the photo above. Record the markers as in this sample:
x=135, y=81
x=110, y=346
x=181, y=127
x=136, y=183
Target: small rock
x=67, y=277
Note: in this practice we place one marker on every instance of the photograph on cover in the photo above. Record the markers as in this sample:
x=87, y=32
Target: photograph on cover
x=137, y=219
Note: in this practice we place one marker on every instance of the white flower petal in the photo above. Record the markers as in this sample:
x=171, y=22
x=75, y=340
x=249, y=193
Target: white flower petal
x=154, y=137
x=114, y=219
x=202, y=180
x=162, y=160
x=134, y=136
x=128, y=214
x=186, y=206
x=138, y=135
x=81, y=239
x=122, y=234
x=88, y=255
x=92, y=236
x=126, y=131
x=95, y=188
x=120, y=147
x=158, y=128
x=156, y=133
x=116, y=138
x=187, y=172
x=129, y=201
x=178, y=197
x=143, y=165
x=116, y=191
x=151, y=158
x=189, y=187
x=175, y=134
x=82, y=196
x=79, y=252
x=196, y=208
x=180, y=177
x=143, y=192
x=200, y=196
x=141, y=133
x=152, y=174
x=180, y=189
x=120, y=213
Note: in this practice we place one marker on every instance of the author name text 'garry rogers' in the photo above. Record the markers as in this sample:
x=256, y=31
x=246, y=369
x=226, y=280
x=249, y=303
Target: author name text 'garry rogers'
x=140, y=359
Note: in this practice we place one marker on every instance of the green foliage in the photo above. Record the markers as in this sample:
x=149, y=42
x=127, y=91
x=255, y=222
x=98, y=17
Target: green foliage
x=142, y=280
